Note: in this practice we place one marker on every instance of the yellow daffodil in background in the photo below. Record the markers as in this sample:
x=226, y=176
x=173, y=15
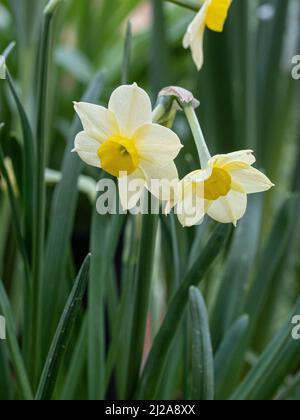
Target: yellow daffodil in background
x=212, y=15
x=123, y=141
x=220, y=190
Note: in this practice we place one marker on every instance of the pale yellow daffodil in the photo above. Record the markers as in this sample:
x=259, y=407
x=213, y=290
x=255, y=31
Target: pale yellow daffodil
x=123, y=141
x=219, y=190
x=212, y=15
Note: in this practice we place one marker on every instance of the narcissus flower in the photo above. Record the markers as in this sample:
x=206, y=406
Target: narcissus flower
x=212, y=15
x=123, y=141
x=220, y=190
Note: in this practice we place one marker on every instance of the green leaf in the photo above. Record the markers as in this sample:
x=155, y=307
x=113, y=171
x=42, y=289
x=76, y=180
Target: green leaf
x=43, y=77
x=118, y=355
x=13, y=346
x=63, y=332
x=5, y=374
x=75, y=63
x=271, y=83
x=28, y=163
x=269, y=262
x=76, y=366
x=141, y=300
x=202, y=357
x=289, y=391
x=188, y=4
x=159, y=50
x=230, y=357
x=106, y=230
x=126, y=55
x=277, y=361
x=15, y=212
x=237, y=267
x=157, y=358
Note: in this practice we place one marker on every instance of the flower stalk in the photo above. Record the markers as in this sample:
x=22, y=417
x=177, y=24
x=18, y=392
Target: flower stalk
x=203, y=152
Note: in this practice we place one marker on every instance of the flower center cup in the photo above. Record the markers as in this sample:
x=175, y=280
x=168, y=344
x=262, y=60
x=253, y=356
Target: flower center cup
x=217, y=185
x=216, y=14
x=118, y=154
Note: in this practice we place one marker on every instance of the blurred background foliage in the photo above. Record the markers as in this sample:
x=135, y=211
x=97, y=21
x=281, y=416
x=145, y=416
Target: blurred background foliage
x=248, y=100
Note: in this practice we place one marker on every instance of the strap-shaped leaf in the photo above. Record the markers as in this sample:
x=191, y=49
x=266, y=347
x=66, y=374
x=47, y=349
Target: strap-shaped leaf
x=14, y=350
x=202, y=356
x=144, y=271
x=276, y=362
x=155, y=363
x=235, y=274
x=229, y=358
x=63, y=332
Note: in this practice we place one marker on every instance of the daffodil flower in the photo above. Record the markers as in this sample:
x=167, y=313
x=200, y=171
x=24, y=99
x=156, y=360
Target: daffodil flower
x=123, y=141
x=212, y=15
x=220, y=190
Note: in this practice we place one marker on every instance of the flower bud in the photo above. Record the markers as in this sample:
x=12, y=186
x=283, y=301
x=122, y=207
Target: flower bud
x=182, y=96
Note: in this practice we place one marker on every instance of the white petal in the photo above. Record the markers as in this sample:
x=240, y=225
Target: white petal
x=162, y=181
x=243, y=156
x=190, y=209
x=197, y=22
x=200, y=175
x=131, y=188
x=132, y=108
x=185, y=186
x=98, y=122
x=157, y=143
x=228, y=209
x=194, y=36
x=252, y=180
x=87, y=149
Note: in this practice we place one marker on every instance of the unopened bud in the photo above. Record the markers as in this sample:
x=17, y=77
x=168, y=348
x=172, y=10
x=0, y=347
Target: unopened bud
x=182, y=96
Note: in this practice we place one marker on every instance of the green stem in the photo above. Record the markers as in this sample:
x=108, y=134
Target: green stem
x=158, y=112
x=141, y=304
x=164, y=113
x=143, y=278
x=201, y=145
x=188, y=4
